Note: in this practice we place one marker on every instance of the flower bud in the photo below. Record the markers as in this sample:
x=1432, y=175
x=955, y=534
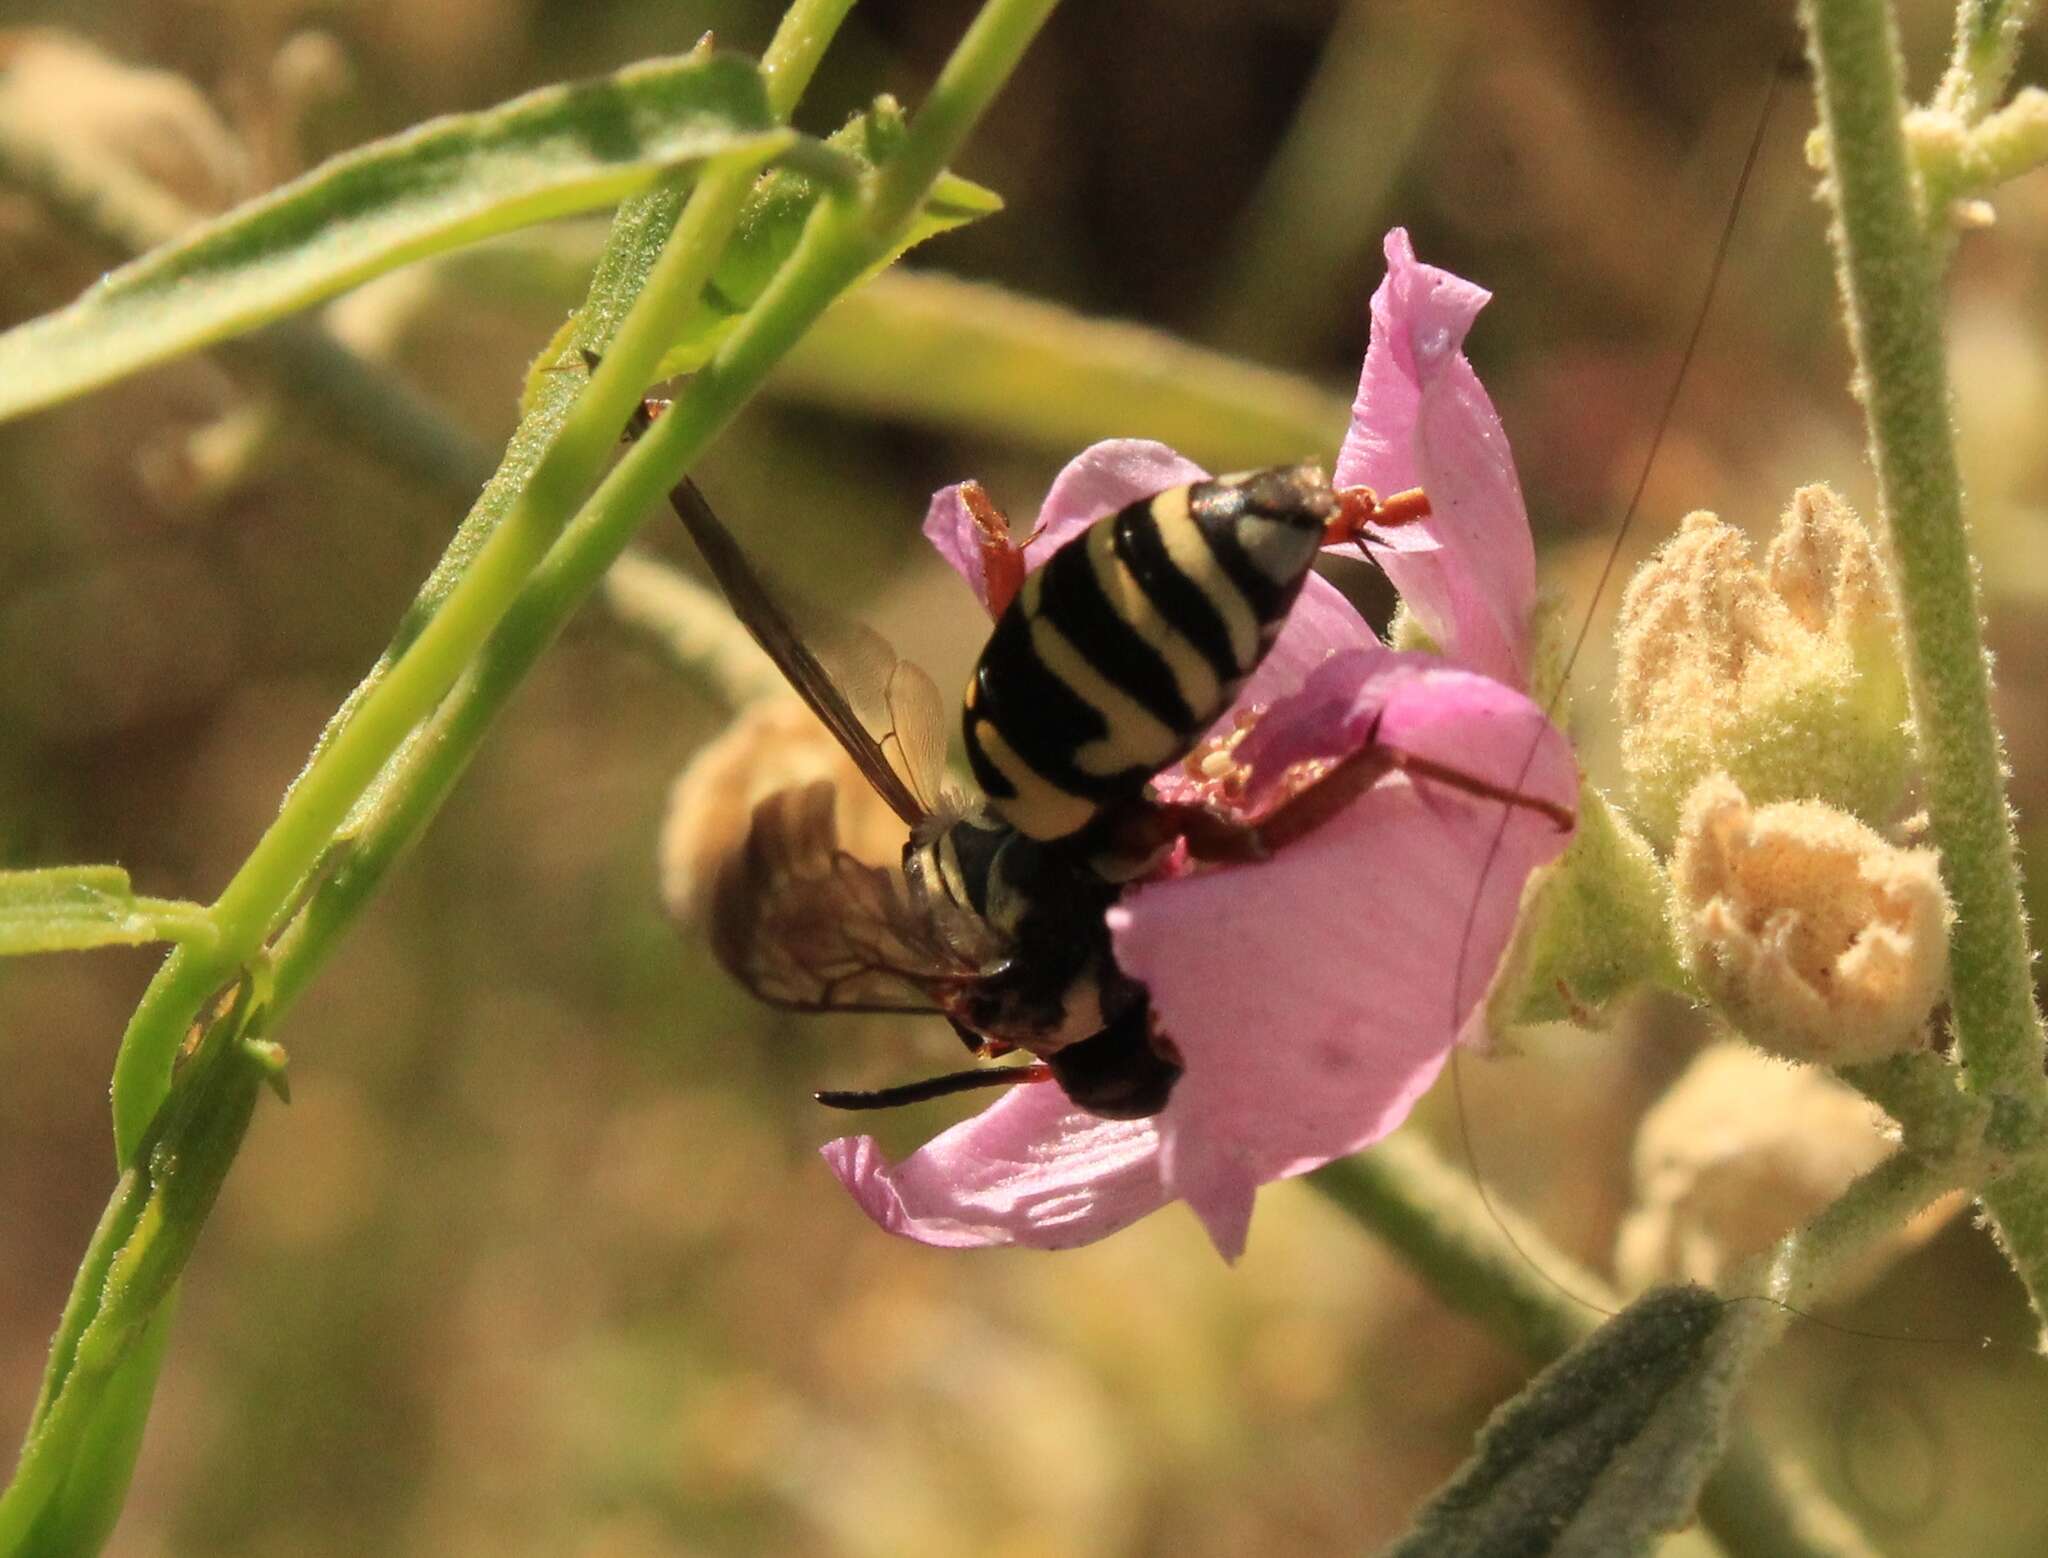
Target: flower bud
x=1819, y=940
x=1787, y=677
x=1740, y=1150
x=772, y=744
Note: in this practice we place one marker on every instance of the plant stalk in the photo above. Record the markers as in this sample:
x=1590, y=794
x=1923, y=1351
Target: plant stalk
x=1888, y=267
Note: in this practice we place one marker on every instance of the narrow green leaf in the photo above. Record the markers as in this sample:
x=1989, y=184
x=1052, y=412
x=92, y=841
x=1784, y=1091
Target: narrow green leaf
x=71, y=908
x=957, y=354
x=446, y=183
x=1606, y=1449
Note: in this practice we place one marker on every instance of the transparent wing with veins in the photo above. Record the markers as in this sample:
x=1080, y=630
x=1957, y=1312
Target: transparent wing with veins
x=867, y=690
x=798, y=920
x=804, y=925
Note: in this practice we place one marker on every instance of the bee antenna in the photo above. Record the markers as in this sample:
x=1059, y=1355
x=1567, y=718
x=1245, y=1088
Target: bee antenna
x=1665, y=411
x=935, y=1087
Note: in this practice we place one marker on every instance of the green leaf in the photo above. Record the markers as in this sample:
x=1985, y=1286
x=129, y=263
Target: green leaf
x=1606, y=1449
x=445, y=183
x=964, y=355
x=774, y=218
x=70, y=908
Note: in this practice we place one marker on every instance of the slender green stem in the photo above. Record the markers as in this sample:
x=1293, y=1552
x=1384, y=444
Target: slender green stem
x=983, y=60
x=96, y=1391
x=403, y=690
x=1889, y=271
x=1800, y=1268
x=1923, y=1092
x=1987, y=46
x=150, y=1229
x=792, y=55
x=1890, y=286
x=80, y=1515
x=1517, y=1284
x=261, y=890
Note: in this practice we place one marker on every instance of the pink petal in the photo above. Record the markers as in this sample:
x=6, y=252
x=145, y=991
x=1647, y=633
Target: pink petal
x=1423, y=419
x=1030, y=1170
x=1314, y=997
x=1099, y=480
x=1321, y=623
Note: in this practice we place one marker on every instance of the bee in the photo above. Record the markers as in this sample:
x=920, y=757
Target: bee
x=1107, y=664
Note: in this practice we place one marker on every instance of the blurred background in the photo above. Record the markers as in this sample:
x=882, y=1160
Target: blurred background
x=541, y=1258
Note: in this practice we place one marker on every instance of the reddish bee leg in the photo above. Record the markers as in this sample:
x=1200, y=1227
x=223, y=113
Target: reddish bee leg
x=1358, y=507
x=1002, y=560
x=1565, y=817
x=1213, y=837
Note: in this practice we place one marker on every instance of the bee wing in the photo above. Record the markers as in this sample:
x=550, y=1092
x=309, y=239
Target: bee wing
x=885, y=712
x=803, y=924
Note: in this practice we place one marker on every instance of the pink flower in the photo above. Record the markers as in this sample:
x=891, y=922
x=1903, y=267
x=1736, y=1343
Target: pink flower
x=1314, y=996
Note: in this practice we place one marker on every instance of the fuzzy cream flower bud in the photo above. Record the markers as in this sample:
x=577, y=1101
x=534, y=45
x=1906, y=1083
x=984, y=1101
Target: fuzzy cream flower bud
x=771, y=745
x=1788, y=676
x=1817, y=938
x=1740, y=1150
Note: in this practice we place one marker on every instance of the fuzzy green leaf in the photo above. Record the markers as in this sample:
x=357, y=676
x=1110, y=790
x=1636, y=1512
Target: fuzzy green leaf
x=443, y=184
x=1606, y=1449
x=1592, y=927
x=71, y=908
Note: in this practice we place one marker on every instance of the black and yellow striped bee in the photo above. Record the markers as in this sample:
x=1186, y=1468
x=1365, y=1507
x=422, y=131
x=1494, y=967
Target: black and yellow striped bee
x=1107, y=664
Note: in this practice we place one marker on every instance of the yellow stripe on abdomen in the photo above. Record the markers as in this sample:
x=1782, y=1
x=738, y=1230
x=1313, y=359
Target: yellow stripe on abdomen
x=1137, y=737
x=1039, y=808
x=1196, y=678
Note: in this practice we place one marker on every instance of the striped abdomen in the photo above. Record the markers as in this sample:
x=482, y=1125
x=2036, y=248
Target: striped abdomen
x=1132, y=639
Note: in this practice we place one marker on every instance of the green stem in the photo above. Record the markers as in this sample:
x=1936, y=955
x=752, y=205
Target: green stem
x=1799, y=1269
x=81, y=1514
x=487, y=630
x=461, y=605
x=1987, y=46
x=981, y=62
x=321, y=797
x=1889, y=275
x=1517, y=1284
x=1923, y=1092
x=95, y=1396
x=792, y=55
